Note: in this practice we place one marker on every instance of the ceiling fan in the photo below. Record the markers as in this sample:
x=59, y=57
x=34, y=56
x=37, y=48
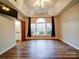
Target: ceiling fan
x=40, y=3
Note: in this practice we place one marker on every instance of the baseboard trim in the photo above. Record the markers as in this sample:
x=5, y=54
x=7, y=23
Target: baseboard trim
x=7, y=49
x=70, y=44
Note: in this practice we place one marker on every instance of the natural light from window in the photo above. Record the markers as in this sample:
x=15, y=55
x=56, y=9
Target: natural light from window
x=41, y=27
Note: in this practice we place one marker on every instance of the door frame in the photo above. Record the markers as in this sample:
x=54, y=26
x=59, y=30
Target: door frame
x=23, y=31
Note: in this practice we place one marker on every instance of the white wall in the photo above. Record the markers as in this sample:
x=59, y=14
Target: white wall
x=70, y=26
x=18, y=30
x=7, y=33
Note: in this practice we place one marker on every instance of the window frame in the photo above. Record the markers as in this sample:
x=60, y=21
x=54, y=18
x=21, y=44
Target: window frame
x=45, y=28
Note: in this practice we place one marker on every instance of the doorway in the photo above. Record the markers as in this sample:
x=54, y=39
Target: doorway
x=23, y=37
x=17, y=30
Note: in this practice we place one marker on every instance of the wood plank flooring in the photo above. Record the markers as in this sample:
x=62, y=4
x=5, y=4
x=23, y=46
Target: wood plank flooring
x=41, y=49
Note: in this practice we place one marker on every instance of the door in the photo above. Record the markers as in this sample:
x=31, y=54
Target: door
x=23, y=31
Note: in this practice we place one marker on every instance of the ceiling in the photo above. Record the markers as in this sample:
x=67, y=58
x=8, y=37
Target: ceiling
x=50, y=7
x=45, y=7
x=40, y=6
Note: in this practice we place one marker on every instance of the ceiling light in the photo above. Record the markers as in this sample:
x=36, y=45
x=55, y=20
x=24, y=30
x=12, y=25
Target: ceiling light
x=42, y=3
x=5, y=8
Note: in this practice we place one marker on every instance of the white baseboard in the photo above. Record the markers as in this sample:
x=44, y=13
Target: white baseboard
x=70, y=44
x=7, y=49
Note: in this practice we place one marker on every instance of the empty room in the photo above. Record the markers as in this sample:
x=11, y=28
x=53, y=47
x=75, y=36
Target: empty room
x=39, y=29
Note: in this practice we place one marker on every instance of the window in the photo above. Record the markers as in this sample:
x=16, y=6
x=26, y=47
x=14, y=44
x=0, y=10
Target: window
x=41, y=27
x=49, y=28
x=33, y=29
x=41, y=20
x=41, y=30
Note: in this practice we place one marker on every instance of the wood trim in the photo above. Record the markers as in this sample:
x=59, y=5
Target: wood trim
x=23, y=23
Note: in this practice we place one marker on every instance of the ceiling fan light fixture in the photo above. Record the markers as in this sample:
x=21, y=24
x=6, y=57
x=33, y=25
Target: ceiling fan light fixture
x=42, y=3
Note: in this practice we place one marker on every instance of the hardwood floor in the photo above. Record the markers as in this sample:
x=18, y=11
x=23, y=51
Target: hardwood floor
x=41, y=49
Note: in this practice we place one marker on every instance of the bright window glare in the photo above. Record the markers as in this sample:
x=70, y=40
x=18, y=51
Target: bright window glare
x=33, y=29
x=40, y=20
x=49, y=28
x=41, y=27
